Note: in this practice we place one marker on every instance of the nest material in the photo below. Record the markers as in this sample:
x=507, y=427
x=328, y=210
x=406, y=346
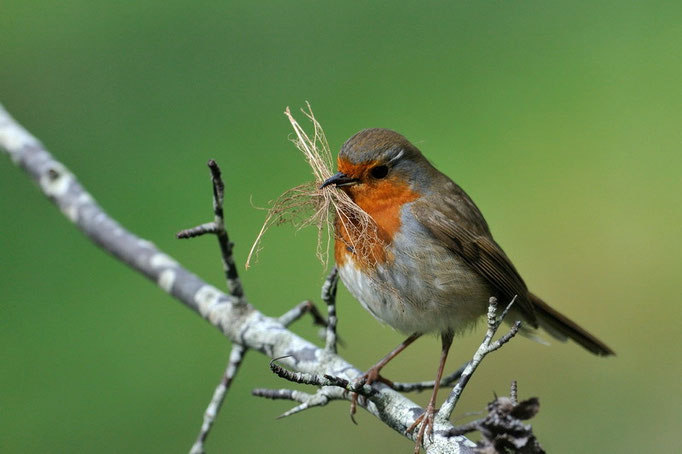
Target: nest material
x=308, y=205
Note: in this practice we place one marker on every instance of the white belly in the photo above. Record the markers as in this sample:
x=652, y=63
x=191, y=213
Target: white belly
x=439, y=295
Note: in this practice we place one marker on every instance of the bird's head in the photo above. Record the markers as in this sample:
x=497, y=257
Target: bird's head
x=378, y=166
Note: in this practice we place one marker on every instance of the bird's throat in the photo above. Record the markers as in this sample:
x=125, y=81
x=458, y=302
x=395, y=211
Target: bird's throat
x=383, y=201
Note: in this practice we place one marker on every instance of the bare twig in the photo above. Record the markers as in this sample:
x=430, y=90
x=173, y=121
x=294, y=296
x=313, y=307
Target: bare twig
x=429, y=384
x=487, y=346
x=236, y=358
x=321, y=398
x=235, y=288
x=472, y=426
x=199, y=230
x=514, y=392
x=217, y=227
x=298, y=311
x=329, y=297
x=321, y=380
x=331, y=388
x=281, y=394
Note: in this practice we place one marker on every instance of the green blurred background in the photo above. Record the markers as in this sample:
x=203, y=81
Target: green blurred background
x=561, y=119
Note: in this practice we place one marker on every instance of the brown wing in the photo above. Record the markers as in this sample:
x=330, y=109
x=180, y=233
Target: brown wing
x=456, y=221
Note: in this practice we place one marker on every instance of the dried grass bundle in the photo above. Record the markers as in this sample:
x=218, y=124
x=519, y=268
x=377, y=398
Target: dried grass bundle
x=307, y=204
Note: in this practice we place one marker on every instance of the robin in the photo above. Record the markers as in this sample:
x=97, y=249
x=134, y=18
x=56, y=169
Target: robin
x=435, y=263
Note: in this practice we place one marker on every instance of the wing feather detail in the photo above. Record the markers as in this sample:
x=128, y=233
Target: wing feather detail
x=467, y=235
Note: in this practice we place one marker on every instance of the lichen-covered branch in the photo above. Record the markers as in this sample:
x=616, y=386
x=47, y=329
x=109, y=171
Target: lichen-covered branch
x=487, y=346
x=234, y=287
x=329, y=297
x=235, y=318
x=236, y=358
x=321, y=398
x=217, y=227
x=356, y=386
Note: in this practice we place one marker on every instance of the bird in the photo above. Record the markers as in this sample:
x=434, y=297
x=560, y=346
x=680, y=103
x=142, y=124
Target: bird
x=433, y=263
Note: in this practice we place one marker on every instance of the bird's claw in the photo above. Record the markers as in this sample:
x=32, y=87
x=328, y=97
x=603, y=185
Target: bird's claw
x=425, y=423
x=369, y=377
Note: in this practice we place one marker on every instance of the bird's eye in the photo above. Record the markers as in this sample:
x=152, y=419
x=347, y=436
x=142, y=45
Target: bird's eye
x=379, y=172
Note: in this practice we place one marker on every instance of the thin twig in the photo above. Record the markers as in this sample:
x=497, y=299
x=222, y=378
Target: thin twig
x=329, y=297
x=487, y=346
x=234, y=284
x=234, y=287
x=298, y=311
x=466, y=428
x=321, y=380
x=429, y=384
x=199, y=230
x=321, y=398
x=217, y=227
x=308, y=307
x=236, y=358
x=281, y=394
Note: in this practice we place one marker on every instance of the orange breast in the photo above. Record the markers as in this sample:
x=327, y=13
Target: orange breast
x=383, y=200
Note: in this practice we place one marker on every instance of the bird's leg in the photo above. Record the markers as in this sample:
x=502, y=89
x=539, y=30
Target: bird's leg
x=425, y=420
x=372, y=373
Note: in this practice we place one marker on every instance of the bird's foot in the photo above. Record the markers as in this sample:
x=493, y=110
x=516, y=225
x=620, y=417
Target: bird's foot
x=425, y=423
x=369, y=377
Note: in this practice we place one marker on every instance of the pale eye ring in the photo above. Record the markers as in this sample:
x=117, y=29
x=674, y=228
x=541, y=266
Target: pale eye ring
x=379, y=171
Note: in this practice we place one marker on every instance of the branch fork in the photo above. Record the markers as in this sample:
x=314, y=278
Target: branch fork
x=486, y=347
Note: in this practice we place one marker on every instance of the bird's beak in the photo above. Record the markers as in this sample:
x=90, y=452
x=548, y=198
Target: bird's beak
x=339, y=179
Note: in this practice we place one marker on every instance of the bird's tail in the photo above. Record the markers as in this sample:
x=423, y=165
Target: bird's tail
x=561, y=327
